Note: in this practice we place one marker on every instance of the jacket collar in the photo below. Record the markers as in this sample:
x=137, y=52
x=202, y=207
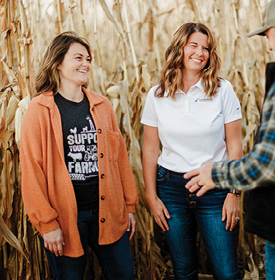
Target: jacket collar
x=94, y=98
x=47, y=99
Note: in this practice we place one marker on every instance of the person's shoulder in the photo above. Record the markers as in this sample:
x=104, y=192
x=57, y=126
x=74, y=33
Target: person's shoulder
x=37, y=109
x=272, y=88
x=97, y=97
x=154, y=90
x=226, y=88
x=44, y=99
x=94, y=94
x=225, y=83
x=270, y=94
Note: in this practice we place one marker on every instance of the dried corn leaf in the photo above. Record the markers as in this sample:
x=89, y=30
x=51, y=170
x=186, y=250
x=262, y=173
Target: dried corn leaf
x=110, y=16
x=10, y=237
x=12, y=106
x=21, y=110
x=9, y=73
x=120, y=55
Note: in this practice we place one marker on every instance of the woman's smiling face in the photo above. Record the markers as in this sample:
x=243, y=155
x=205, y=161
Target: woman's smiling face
x=75, y=67
x=196, y=53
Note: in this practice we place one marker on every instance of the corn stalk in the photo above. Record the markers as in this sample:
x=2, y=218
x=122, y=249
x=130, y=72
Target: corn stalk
x=128, y=40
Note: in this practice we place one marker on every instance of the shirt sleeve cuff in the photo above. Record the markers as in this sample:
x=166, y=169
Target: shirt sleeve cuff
x=131, y=208
x=45, y=228
x=233, y=118
x=218, y=172
x=149, y=122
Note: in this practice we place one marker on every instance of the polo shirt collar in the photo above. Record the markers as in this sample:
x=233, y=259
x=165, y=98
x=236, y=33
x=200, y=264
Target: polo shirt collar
x=199, y=85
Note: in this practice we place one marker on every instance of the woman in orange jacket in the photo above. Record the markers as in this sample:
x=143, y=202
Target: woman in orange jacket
x=77, y=183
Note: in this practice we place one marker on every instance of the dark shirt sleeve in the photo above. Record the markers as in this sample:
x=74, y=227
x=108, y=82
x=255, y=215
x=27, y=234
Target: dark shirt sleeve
x=257, y=168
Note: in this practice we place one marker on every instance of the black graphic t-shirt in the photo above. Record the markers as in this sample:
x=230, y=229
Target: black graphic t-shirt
x=80, y=148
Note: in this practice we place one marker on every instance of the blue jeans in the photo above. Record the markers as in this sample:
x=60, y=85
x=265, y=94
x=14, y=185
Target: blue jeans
x=115, y=259
x=270, y=260
x=188, y=211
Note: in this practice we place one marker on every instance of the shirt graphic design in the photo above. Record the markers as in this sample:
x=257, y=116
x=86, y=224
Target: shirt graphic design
x=81, y=154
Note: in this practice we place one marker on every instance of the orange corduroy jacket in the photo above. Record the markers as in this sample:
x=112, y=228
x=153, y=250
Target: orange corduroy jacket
x=47, y=190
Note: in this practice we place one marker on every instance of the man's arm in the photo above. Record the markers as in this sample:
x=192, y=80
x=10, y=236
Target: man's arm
x=253, y=170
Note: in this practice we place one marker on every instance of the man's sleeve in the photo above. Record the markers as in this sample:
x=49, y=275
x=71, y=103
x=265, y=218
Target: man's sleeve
x=257, y=168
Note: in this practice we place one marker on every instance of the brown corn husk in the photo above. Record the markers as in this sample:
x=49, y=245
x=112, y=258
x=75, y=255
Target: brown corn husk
x=128, y=41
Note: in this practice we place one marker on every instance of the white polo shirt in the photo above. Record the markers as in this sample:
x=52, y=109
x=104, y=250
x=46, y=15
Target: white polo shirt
x=191, y=127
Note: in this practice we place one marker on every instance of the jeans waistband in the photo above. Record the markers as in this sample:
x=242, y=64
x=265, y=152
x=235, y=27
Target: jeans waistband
x=171, y=172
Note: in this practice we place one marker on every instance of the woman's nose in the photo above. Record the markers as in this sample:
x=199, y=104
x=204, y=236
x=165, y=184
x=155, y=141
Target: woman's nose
x=199, y=51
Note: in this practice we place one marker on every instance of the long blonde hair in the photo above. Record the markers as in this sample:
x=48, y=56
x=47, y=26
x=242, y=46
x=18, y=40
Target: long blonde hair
x=48, y=75
x=171, y=73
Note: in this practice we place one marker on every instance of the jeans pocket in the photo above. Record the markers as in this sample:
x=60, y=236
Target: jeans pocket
x=161, y=175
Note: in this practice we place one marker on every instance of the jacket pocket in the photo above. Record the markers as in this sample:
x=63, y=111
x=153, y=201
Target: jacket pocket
x=113, y=143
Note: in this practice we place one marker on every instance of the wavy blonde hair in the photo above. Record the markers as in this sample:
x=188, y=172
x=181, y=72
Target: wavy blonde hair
x=48, y=75
x=171, y=73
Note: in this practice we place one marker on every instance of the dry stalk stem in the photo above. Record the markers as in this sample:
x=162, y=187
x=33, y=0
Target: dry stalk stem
x=129, y=51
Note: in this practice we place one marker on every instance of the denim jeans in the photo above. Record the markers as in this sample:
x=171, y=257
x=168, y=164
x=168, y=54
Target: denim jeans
x=270, y=260
x=115, y=259
x=188, y=211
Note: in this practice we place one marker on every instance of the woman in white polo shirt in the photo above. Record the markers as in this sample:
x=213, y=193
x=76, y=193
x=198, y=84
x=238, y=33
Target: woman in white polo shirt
x=196, y=116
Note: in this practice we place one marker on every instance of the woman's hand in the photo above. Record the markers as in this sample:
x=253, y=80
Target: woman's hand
x=54, y=241
x=131, y=225
x=160, y=213
x=231, y=211
x=233, y=140
x=151, y=149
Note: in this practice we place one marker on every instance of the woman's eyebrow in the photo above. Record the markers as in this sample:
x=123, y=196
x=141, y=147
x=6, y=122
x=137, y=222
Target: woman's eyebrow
x=82, y=54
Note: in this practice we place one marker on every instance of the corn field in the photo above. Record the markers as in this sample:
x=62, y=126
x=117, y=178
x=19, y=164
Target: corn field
x=128, y=40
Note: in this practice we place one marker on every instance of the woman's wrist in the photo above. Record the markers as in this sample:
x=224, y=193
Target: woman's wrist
x=151, y=197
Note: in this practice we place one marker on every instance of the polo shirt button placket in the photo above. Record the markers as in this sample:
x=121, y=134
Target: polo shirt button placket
x=186, y=104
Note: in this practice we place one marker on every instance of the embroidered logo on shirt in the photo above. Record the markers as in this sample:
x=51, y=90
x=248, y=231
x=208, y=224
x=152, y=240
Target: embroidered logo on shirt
x=204, y=99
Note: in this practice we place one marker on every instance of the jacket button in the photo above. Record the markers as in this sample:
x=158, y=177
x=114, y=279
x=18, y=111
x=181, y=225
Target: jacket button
x=102, y=197
x=99, y=130
x=102, y=220
x=101, y=155
x=102, y=176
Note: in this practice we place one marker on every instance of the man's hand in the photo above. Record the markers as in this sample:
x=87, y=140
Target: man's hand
x=202, y=179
